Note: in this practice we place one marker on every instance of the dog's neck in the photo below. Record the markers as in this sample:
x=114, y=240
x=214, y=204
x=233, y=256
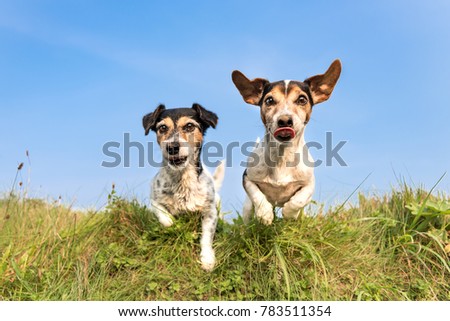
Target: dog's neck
x=280, y=154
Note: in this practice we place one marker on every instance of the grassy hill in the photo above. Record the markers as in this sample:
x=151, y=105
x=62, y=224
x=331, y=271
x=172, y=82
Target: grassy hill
x=391, y=247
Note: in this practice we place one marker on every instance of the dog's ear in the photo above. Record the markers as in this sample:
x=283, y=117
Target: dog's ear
x=149, y=120
x=251, y=90
x=322, y=86
x=207, y=118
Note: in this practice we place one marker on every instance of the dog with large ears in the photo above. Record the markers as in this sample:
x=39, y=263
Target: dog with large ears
x=281, y=172
x=182, y=184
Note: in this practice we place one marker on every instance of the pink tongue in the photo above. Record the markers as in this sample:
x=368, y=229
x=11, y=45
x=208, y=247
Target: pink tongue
x=284, y=132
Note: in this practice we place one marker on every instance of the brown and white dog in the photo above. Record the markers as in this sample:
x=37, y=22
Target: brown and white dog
x=183, y=184
x=281, y=173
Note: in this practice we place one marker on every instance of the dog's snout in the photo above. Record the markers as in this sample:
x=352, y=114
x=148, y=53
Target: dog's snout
x=285, y=121
x=173, y=148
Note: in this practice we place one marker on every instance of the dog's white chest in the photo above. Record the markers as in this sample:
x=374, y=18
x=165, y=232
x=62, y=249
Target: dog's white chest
x=190, y=193
x=188, y=198
x=280, y=183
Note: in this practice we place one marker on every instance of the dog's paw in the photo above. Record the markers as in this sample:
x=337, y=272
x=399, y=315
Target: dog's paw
x=208, y=259
x=166, y=220
x=291, y=210
x=264, y=213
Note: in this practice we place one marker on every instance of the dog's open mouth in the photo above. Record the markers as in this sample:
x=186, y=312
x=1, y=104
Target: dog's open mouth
x=284, y=134
x=177, y=160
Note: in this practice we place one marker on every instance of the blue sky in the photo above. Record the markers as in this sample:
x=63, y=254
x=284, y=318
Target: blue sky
x=77, y=74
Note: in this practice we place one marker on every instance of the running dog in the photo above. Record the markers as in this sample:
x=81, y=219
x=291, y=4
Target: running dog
x=182, y=184
x=281, y=172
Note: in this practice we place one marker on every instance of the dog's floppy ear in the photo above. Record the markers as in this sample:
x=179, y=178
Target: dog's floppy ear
x=149, y=120
x=322, y=86
x=208, y=118
x=251, y=90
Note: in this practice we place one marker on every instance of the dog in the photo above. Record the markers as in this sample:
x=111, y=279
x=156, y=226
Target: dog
x=276, y=177
x=183, y=184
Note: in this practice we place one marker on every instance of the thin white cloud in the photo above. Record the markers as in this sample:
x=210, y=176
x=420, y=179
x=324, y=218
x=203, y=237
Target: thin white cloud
x=211, y=61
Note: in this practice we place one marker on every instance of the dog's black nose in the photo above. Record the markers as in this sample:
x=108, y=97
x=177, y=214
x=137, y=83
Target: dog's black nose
x=285, y=121
x=173, y=148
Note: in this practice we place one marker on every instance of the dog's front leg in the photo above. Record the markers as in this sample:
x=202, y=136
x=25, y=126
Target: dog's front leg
x=263, y=208
x=209, y=223
x=247, y=210
x=164, y=217
x=292, y=208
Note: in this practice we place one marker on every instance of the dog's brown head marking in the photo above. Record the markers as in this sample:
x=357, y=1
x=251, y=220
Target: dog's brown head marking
x=318, y=88
x=286, y=106
x=180, y=131
x=202, y=117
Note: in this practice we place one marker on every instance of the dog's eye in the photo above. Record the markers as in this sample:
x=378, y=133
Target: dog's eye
x=269, y=101
x=302, y=100
x=189, y=127
x=162, y=129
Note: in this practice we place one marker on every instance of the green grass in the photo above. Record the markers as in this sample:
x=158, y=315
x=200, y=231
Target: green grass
x=390, y=247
